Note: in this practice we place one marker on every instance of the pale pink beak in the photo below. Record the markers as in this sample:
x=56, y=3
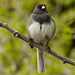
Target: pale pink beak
x=43, y=7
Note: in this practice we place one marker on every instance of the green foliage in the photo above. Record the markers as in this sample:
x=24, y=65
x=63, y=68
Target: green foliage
x=16, y=57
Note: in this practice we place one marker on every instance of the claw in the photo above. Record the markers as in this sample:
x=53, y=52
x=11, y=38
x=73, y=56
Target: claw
x=48, y=48
x=30, y=40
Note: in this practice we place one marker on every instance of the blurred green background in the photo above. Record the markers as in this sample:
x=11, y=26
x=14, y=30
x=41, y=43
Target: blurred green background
x=16, y=57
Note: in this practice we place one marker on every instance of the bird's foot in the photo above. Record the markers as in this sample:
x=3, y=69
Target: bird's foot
x=30, y=40
x=48, y=48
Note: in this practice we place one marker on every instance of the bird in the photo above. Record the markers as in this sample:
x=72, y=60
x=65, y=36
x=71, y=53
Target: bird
x=41, y=28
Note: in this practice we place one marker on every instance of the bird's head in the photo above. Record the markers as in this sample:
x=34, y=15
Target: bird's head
x=40, y=9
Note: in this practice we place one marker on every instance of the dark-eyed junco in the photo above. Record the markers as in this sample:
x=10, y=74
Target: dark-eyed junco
x=41, y=29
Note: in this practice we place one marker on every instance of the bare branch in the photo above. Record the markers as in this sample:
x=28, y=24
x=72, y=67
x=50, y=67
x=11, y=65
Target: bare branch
x=48, y=50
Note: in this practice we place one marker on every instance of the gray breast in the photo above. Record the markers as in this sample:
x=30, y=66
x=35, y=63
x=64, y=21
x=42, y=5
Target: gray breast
x=41, y=18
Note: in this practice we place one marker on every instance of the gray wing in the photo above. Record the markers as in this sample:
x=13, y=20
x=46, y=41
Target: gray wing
x=54, y=23
x=29, y=23
x=51, y=20
x=30, y=20
x=54, y=26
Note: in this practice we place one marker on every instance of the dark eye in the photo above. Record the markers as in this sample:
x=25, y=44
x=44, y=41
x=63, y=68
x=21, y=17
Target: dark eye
x=39, y=7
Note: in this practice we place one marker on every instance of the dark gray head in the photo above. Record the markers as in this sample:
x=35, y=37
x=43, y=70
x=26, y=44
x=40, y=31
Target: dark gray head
x=40, y=8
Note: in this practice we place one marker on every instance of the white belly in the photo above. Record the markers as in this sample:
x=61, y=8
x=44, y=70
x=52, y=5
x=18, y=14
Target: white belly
x=39, y=35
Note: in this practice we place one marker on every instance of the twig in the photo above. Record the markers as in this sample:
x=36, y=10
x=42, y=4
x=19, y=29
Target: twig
x=48, y=50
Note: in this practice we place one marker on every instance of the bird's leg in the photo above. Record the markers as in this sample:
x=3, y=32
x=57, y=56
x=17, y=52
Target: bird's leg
x=30, y=40
x=47, y=44
x=48, y=48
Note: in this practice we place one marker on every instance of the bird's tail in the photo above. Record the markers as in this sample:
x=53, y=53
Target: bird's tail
x=40, y=61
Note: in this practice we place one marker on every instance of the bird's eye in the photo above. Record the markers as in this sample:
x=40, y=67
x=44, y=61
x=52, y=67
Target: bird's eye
x=43, y=7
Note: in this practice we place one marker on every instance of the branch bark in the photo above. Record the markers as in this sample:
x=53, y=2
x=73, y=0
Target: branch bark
x=48, y=50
